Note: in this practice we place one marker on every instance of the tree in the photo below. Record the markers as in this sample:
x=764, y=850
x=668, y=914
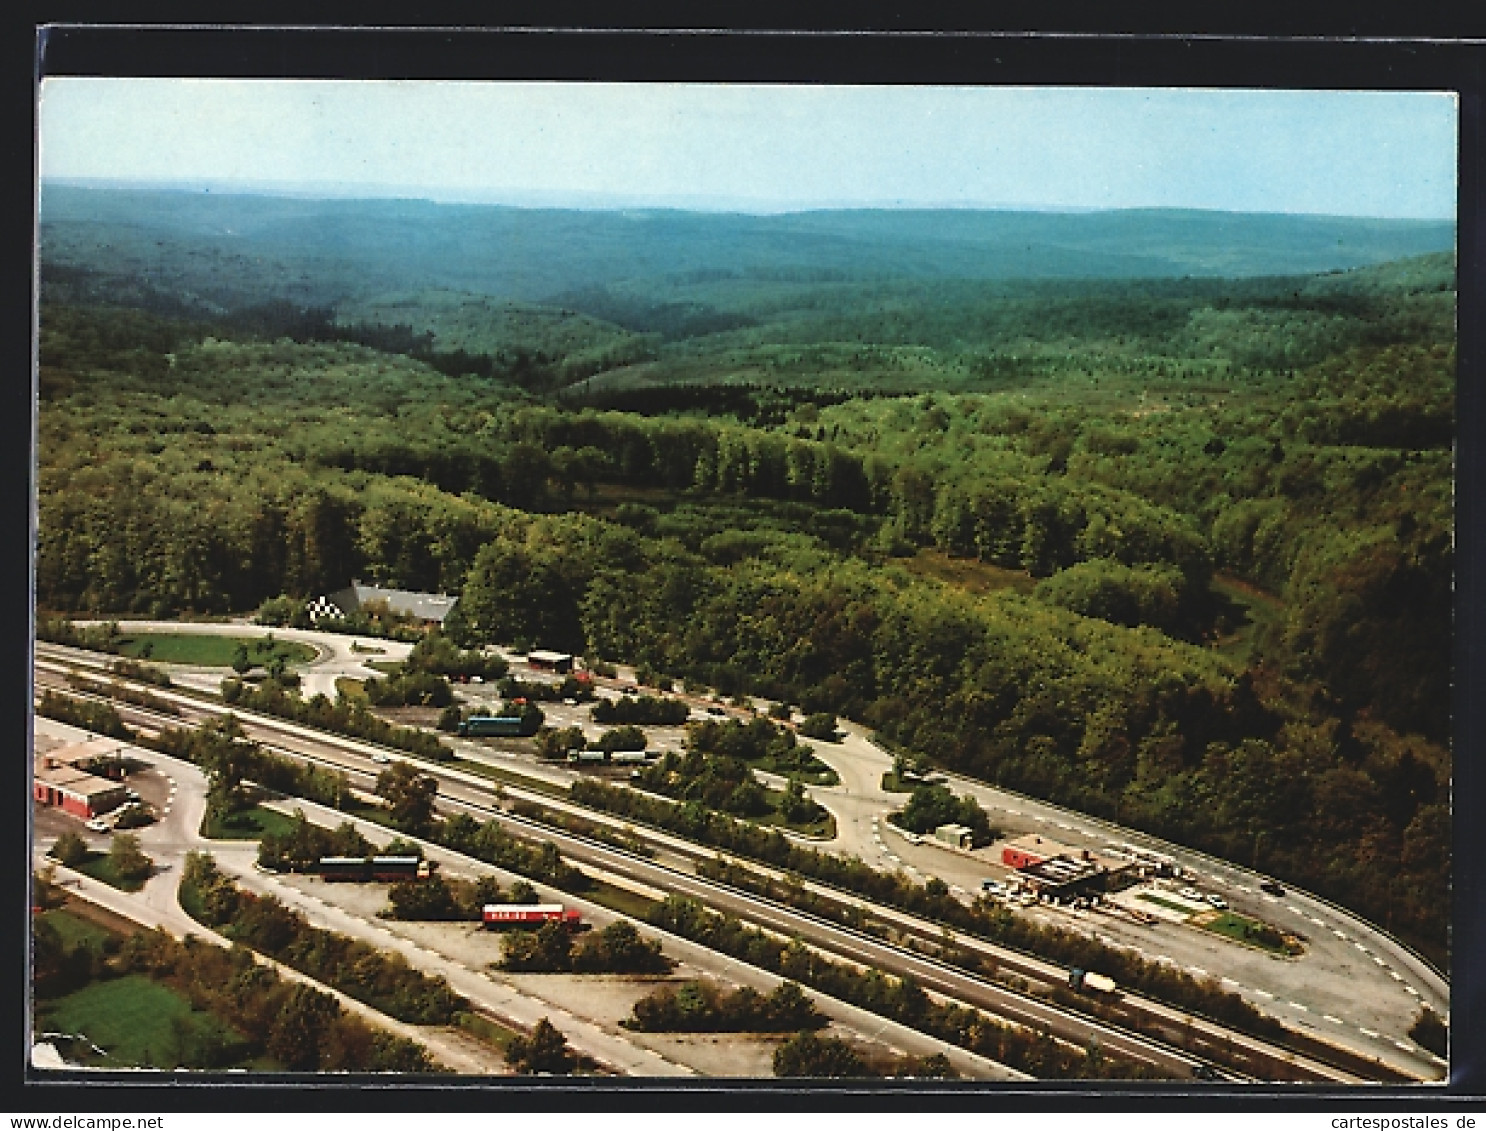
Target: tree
x=622, y=738
x=1431, y=1032
x=130, y=864
x=450, y=718
x=423, y=900
x=242, y=663
x=620, y=949
x=547, y=950
x=796, y=806
x=788, y=1007
x=545, y=1051
x=70, y=850
x=821, y=725
x=555, y=742
x=299, y=1028
x=805, y=1054
x=409, y=794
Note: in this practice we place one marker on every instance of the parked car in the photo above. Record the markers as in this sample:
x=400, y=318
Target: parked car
x=1269, y=887
x=1217, y=901
x=378, y=756
x=993, y=887
x=1190, y=893
x=98, y=825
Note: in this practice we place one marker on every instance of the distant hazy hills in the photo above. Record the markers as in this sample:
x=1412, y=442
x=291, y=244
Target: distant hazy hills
x=339, y=248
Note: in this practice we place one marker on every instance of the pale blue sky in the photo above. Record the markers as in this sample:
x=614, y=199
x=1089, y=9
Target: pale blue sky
x=767, y=148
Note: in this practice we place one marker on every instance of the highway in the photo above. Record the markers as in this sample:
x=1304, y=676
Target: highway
x=860, y=948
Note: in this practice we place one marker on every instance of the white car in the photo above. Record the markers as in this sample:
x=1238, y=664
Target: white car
x=380, y=757
x=98, y=825
x=1217, y=901
x=1190, y=893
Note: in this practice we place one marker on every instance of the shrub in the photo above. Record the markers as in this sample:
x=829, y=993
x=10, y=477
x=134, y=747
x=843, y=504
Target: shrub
x=70, y=850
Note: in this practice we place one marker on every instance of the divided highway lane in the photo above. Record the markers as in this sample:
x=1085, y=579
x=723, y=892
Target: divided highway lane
x=476, y=792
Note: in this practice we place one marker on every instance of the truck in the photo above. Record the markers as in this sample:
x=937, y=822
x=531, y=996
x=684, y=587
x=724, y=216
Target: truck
x=1086, y=981
x=632, y=757
x=529, y=915
x=493, y=726
x=366, y=869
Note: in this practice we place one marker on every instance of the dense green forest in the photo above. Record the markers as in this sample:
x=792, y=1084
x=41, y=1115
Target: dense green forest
x=1176, y=551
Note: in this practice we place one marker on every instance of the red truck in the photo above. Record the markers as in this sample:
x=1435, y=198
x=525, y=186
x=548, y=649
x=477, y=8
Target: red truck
x=530, y=915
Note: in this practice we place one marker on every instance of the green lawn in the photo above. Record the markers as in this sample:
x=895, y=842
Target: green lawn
x=250, y=824
x=891, y=783
x=1168, y=903
x=74, y=930
x=137, y=1022
x=100, y=866
x=483, y=1028
x=620, y=899
x=510, y=777
x=1242, y=929
x=208, y=650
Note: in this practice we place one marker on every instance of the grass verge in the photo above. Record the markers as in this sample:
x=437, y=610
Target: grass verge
x=249, y=824
x=208, y=650
x=619, y=899
x=482, y=1028
x=100, y=866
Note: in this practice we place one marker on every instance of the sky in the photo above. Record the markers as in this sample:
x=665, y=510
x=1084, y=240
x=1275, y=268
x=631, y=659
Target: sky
x=766, y=148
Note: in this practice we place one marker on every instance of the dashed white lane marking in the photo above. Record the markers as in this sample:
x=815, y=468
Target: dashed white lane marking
x=1401, y=1045
x=1379, y=961
x=1412, y=991
x=1295, y=909
x=1367, y=1033
x=1015, y=812
x=893, y=858
x=1441, y=1061
x=1316, y=921
x=1395, y=975
x=1333, y=1020
x=1271, y=899
x=1248, y=891
x=1198, y=970
x=1264, y=993
x=1035, y=817
x=1229, y=982
x=1360, y=947
x=1297, y=1005
x=1061, y=825
x=1338, y=934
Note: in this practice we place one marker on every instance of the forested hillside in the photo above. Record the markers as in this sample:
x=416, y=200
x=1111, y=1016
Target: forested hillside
x=1174, y=551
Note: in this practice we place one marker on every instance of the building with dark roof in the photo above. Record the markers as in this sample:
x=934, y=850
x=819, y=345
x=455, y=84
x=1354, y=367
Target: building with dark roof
x=430, y=608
